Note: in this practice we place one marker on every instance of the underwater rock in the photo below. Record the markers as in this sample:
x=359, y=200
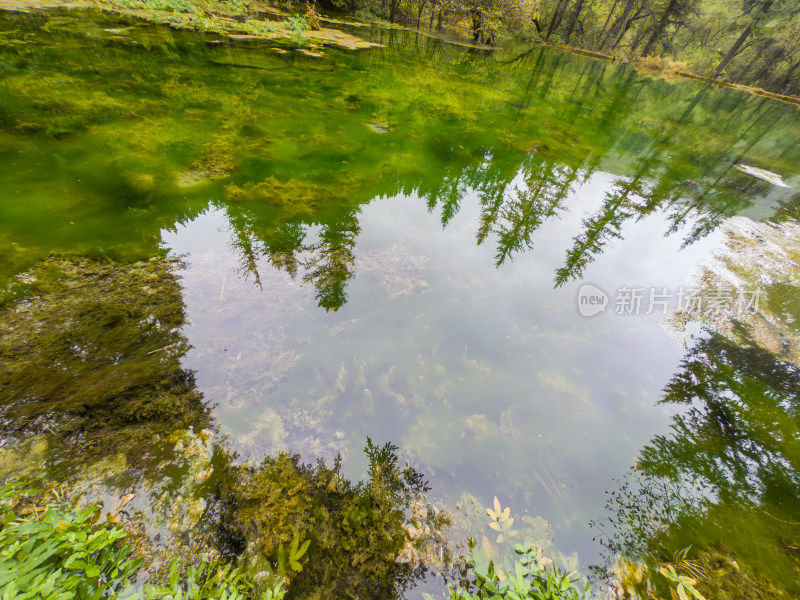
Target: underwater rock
x=762, y=174
x=310, y=53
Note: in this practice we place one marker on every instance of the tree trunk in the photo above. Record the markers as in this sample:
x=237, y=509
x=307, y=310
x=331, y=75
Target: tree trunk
x=617, y=29
x=475, y=13
x=573, y=19
x=556, y=20
x=602, y=35
x=738, y=44
x=662, y=24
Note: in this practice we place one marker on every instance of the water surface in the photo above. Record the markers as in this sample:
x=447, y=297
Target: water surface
x=390, y=242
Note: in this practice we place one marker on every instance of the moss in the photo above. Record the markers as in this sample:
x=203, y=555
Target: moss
x=295, y=197
x=92, y=355
x=218, y=160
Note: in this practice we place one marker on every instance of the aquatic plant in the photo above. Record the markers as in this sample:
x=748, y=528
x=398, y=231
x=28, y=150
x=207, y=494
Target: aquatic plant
x=92, y=357
x=50, y=551
x=328, y=537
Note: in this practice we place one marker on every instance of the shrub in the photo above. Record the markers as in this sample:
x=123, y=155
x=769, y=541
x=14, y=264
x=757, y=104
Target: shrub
x=312, y=18
x=298, y=25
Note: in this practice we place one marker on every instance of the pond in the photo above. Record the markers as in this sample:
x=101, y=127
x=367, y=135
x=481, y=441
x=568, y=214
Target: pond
x=398, y=244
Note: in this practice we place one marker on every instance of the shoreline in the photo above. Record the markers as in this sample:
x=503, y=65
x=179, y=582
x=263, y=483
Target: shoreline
x=313, y=41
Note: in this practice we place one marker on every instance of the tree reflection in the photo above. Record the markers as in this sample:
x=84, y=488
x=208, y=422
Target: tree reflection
x=726, y=478
x=724, y=481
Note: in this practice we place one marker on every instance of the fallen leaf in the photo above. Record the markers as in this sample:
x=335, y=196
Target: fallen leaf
x=125, y=499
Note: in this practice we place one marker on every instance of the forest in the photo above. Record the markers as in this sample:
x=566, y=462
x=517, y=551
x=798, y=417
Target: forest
x=751, y=42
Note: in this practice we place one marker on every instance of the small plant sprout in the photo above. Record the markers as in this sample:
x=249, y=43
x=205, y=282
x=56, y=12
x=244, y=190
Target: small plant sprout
x=502, y=521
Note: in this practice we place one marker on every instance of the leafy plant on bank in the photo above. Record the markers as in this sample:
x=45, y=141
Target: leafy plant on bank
x=52, y=550
x=312, y=17
x=54, y=553
x=532, y=576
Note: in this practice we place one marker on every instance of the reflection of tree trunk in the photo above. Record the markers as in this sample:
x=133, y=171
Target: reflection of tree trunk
x=573, y=19
x=741, y=76
x=737, y=46
x=662, y=24
x=617, y=29
x=763, y=76
x=789, y=79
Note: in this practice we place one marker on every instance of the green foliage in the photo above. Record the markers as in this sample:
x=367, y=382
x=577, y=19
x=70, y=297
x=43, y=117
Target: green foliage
x=531, y=576
x=51, y=550
x=259, y=27
x=290, y=559
x=55, y=552
x=181, y=6
x=298, y=26
x=233, y=7
x=327, y=537
x=208, y=581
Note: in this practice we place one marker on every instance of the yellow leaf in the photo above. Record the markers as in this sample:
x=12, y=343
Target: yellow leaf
x=125, y=499
x=497, y=506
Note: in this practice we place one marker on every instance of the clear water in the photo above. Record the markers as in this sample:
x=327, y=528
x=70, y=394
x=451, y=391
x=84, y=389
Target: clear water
x=390, y=243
